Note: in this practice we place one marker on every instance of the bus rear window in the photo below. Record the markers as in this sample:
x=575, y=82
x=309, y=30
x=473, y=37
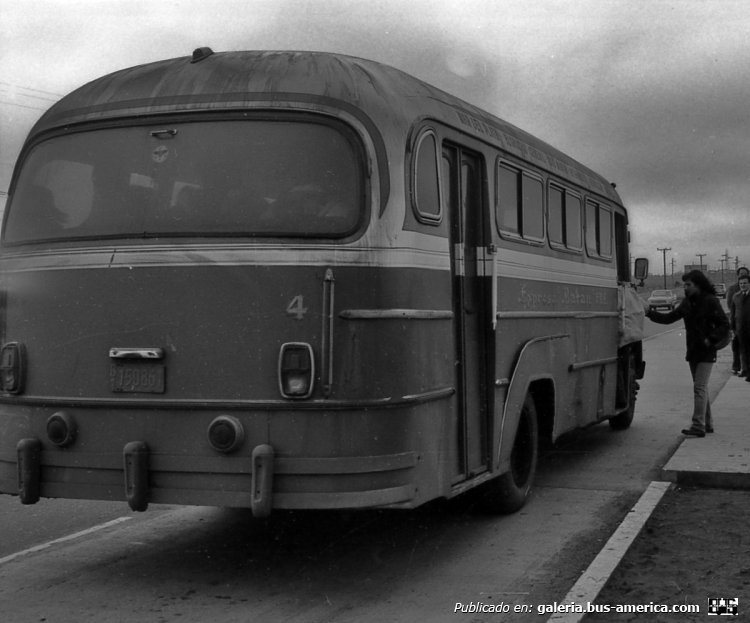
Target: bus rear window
x=249, y=177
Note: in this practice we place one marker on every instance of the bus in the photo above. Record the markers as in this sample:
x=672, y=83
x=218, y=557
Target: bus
x=301, y=280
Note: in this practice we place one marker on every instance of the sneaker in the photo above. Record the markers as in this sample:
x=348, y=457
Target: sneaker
x=693, y=432
x=742, y=373
x=735, y=371
x=709, y=429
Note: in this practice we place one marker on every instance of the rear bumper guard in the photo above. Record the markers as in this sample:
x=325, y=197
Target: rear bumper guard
x=135, y=460
x=135, y=463
x=271, y=481
x=262, y=481
x=29, y=453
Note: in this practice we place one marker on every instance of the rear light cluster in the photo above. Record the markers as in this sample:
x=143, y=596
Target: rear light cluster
x=12, y=367
x=61, y=429
x=296, y=370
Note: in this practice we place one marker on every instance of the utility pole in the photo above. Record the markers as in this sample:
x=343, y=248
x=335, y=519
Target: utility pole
x=724, y=259
x=664, y=257
x=700, y=256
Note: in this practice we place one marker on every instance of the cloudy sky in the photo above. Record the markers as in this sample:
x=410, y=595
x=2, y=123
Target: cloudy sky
x=652, y=94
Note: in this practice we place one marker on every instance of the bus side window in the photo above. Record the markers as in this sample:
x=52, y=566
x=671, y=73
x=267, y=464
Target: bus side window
x=598, y=230
x=519, y=208
x=556, y=216
x=532, y=208
x=573, y=238
x=427, y=201
x=564, y=214
x=507, y=208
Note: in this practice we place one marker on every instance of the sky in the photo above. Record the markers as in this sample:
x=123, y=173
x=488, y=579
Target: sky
x=652, y=94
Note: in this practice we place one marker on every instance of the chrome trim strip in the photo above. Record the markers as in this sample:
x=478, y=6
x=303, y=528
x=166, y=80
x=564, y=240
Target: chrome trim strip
x=388, y=402
x=406, y=314
x=326, y=346
x=579, y=315
x=591, y=364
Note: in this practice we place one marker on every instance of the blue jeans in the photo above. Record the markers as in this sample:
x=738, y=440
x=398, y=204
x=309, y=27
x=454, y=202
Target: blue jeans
x=701, y=372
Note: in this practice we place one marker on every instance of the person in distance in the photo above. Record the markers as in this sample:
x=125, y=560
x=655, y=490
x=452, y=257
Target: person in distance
x=739, y=318
x=731, y=291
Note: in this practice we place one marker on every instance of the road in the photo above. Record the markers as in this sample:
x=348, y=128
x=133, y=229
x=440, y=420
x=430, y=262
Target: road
x=204, y=564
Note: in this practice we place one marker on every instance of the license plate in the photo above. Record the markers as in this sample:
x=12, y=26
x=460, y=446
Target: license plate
x=138, y=377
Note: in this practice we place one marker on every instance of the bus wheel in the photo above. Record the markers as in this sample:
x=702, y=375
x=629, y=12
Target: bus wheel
x=508, y=492
x=624, y=419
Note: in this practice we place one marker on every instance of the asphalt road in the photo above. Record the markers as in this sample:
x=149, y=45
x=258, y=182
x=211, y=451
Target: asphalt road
x=203, y=564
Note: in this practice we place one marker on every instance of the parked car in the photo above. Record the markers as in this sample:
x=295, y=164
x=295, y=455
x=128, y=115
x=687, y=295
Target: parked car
x=662, y=299
x=721, y=289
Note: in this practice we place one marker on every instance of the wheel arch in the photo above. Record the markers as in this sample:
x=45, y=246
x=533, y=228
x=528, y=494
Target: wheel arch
x=540, y=371
x=543, y=394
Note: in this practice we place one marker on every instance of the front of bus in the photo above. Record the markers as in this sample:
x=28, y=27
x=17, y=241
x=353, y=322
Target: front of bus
x=171, y=250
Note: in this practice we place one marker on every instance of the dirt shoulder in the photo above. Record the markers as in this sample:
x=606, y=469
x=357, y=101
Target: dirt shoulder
x=695, y=546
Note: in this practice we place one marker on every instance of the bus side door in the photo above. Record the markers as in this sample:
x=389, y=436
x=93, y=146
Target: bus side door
x=463, y=185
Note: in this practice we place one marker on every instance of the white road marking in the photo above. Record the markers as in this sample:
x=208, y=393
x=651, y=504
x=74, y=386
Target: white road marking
x=588, y=586
x=70, y=537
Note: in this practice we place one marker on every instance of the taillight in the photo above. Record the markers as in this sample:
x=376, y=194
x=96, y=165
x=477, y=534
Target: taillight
x=226, y=434
x=12, y=367
x=61, y=429
x=296, y=370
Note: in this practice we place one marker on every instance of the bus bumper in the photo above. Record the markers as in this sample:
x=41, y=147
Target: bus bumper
x=262, y=481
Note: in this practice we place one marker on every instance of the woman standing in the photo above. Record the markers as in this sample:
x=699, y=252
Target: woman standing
x=705, y=325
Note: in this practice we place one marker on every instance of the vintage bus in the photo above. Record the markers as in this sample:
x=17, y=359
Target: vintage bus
x=296, y=280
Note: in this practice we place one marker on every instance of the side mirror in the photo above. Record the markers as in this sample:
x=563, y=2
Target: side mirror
x=641, y=269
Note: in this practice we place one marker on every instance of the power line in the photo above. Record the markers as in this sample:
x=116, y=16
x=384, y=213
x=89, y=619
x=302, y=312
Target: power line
x=22, y=105
x=19, y=86
x=8, y=103
x=8, y=89
x=33, y=96
x=36, y=97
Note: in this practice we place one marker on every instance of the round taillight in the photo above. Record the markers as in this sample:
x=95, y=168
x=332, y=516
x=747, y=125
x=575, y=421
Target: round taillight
x=61, y=429
x=226, y=434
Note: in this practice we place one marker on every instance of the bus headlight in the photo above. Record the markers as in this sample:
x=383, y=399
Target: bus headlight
x=296, y=370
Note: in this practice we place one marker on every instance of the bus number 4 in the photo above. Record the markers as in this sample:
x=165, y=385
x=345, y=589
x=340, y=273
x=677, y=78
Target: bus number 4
x=297, y=307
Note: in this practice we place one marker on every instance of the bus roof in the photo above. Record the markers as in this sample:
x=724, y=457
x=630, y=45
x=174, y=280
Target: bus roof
x=240, y=80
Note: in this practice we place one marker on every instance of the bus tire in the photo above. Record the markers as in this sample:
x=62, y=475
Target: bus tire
x=624, y=419
x=508, y=492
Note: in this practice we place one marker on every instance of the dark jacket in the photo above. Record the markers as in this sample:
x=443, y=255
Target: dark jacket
x=731, y=291
x=739, y=316
x=705, y=325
